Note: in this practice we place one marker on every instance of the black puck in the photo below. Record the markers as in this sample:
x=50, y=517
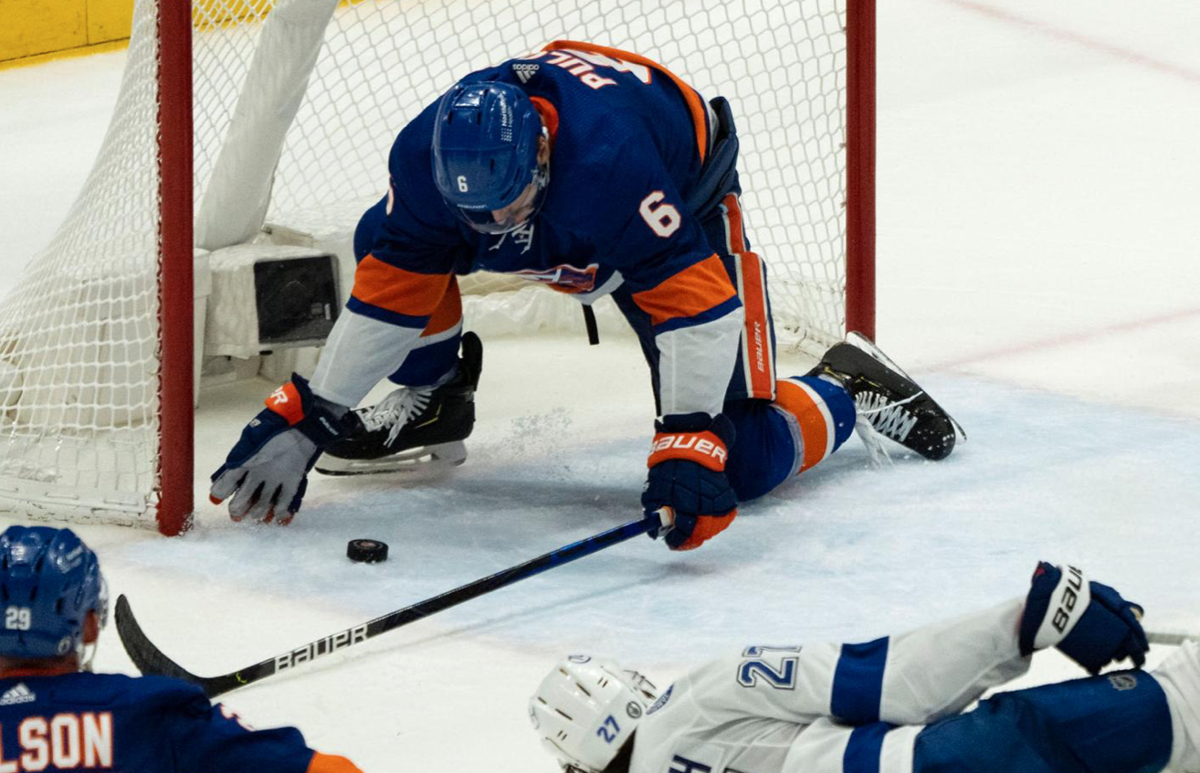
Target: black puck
x=367, y=551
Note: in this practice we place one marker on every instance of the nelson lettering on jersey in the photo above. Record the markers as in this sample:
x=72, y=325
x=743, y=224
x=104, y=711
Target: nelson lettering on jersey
x=325, y=646
x=68, y=741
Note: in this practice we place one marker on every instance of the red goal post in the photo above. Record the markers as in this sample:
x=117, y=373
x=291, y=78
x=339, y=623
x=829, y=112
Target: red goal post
x=97, y=342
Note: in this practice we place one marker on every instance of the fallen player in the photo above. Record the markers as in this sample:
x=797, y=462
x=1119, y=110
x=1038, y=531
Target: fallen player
x=897, y=704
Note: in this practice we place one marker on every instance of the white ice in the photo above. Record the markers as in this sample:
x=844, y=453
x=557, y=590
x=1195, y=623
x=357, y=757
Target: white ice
x=1039, y=273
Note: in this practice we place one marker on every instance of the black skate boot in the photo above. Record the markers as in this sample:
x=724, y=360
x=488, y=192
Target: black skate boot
x=888, y=399
x=413, y=430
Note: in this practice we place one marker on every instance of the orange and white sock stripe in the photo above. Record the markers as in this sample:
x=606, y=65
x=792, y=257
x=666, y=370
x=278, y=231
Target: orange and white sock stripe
x=811, y=421
x=758, y=359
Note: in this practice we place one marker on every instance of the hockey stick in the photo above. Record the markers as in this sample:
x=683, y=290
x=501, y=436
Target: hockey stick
x=1162, y=637
x=1170, y=639
x=149, y=659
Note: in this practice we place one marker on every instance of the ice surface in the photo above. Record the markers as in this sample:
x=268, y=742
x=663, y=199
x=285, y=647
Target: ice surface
x=1039, y=266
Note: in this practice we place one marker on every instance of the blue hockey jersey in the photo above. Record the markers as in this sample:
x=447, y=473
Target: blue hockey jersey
x=85, y=722
x=628, y=142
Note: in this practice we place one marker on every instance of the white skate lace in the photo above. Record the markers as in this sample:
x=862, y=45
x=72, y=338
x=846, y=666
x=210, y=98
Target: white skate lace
x=396, y=410
x=894, y=422
x=886, y=417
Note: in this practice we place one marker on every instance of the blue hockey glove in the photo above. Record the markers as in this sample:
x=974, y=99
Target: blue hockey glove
x=687, y=476
x=1089, y=623
x=268, y=468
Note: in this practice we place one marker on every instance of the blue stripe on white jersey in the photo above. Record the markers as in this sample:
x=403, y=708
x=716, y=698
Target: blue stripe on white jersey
x=858, y=682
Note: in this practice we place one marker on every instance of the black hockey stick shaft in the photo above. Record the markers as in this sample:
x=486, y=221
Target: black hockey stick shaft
x=149, y=659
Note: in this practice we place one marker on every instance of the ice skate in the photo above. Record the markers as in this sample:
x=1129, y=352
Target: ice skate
x=413, y=430
x=893, y=404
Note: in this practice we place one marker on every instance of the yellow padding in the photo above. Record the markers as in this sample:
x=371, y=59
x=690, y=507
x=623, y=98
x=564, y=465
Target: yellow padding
x=70, y=53
x=109, y=20
x=31, y=27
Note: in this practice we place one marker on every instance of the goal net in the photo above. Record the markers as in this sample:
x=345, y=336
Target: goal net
x=295, y=104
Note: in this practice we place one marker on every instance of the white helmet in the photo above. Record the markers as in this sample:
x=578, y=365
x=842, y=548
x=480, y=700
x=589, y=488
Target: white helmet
x=586, y=709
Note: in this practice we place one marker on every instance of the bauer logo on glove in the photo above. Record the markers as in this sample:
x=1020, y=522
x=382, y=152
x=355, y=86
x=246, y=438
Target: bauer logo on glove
x=686, y=483
x=1087, y=621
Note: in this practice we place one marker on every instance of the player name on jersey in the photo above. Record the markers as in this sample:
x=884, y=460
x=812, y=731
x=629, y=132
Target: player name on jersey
x=67, y=741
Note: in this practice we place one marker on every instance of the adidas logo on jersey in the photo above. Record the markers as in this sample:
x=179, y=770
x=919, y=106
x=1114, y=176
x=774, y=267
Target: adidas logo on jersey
x=525, y=71
x=18, y=694
x=890, y=419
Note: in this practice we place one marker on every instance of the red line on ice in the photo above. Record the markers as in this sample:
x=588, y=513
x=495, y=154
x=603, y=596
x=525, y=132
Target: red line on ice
x=1067, y=339
x=1129, y=55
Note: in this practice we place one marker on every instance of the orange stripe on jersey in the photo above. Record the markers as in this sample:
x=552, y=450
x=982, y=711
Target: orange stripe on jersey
x=396, y=290
x=757, y=339
x=692, y=291
x=694, y=102
x=329, y=763
x=448, y=313
x=758, y=359
x=733, y=210
x=814, y=432
x=548, y=114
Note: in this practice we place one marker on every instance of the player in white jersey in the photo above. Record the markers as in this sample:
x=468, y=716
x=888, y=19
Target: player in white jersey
x=895, y=705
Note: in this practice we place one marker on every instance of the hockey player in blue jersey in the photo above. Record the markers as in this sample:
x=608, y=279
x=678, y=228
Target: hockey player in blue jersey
x=57, y=716
x=895, y=705
x=595, y=172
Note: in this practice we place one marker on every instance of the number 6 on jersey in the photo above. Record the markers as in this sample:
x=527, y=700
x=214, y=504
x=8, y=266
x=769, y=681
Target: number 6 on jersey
x=664, y=220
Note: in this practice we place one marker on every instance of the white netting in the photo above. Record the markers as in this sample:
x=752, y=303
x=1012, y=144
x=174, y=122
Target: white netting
x=79, y=333
x=781, y=64
x=78, y=338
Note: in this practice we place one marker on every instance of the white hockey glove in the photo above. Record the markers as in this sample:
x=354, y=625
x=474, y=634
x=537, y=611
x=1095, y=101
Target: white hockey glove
x=268, y=468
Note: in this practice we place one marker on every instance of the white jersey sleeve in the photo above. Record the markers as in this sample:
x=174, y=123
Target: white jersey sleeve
x=912, y=678
x=359, y=353
x=788, y=709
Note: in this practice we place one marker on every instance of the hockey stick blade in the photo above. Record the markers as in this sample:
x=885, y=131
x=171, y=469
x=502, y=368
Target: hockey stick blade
x=149, y=659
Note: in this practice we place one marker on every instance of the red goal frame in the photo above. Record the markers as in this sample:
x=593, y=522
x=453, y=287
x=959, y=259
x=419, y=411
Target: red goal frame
x=176, y=401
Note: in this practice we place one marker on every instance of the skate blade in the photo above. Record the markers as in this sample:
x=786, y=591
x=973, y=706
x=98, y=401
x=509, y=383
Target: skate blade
x=420, y=462
x=861, y=342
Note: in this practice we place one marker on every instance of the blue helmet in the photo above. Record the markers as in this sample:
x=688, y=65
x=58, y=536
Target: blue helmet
x=49, y=581
x=485, y=153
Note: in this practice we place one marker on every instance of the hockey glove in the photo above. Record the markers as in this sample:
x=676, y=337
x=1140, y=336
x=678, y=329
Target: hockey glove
x=268, y=468
x=687, y=477
x=1089, y=623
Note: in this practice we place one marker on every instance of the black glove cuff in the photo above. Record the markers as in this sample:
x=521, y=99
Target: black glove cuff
x=324, y=420
x=719, y=425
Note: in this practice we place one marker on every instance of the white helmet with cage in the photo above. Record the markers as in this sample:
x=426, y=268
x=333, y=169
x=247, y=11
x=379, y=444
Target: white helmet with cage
x=586, y=709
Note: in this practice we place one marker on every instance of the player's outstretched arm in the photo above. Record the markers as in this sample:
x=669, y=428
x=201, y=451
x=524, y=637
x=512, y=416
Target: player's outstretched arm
x=911, y=678
x=931, y=672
